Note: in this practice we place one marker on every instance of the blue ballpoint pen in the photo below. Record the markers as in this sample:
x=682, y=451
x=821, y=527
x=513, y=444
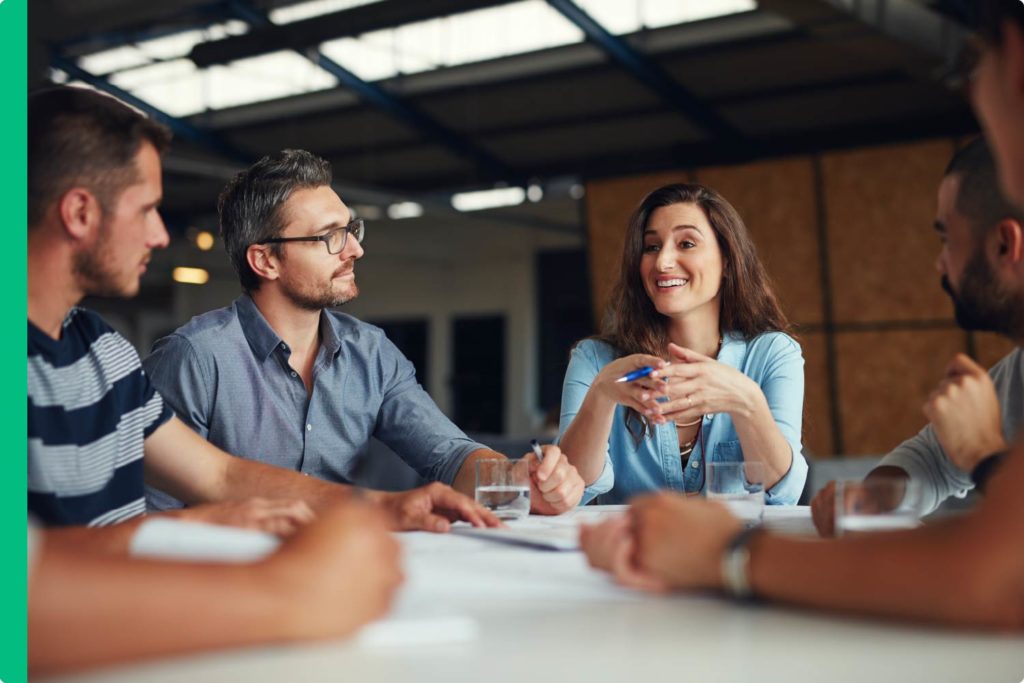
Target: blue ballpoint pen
x=636, y=374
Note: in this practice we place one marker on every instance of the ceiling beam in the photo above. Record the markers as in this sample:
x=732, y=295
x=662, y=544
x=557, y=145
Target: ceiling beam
x=401, y=110
x=181, y=129
x=311, y=32
x=650, y=74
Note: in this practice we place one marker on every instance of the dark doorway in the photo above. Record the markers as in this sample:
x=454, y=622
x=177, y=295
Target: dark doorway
x=564, y=314
x=410, y=336
x=478, y=374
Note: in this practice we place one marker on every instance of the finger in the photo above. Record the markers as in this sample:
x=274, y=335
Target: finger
x=431, y=522
x=686, y=355
x=553, y=459
x=560, y=471
x=962, y=364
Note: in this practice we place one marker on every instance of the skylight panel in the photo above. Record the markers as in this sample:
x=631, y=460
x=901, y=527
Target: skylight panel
x=314, y=8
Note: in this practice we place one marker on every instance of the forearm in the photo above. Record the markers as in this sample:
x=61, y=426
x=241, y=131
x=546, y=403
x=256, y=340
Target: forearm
x=585, y=441
x=105, y=540
x=465, y=480
x=87, y=610
x=246, y=478
x=942, y=573
x=761, y=438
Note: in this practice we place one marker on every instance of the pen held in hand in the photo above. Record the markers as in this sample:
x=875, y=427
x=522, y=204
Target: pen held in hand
x=636, y=374
x=536, y=450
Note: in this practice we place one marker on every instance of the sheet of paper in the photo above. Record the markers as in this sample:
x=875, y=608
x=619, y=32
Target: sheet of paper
x=173, y=539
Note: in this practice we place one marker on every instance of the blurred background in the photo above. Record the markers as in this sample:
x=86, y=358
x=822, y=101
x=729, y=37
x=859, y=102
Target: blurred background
x=495, y=149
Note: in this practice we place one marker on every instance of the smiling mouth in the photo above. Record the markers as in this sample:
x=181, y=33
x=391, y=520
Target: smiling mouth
x=670, y=284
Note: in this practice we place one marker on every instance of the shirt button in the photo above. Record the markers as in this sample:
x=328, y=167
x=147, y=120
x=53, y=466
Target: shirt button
x=309, y=428
x=695, y=464
x=294, y=374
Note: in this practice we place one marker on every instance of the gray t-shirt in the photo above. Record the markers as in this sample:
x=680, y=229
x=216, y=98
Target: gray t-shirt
x=923, y=458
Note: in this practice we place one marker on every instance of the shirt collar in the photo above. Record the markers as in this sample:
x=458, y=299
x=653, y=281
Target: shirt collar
x=734, y=349
x=263, y=339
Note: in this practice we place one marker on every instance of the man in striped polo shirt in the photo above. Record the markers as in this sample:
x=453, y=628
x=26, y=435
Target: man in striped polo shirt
x=97, y=428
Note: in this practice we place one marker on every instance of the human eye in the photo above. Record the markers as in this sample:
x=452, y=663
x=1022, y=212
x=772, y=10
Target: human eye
x=651, y=248
x=687, y=244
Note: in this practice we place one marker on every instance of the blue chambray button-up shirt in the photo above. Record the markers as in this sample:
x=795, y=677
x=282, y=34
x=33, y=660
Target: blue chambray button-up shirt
x=773, y=360
x=226, y=374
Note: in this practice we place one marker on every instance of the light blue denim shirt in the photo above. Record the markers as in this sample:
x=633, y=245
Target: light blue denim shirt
x=226, y=375
x=773, y=360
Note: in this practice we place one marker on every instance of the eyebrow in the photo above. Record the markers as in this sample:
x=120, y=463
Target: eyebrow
x=333, y=225
x=676, y=229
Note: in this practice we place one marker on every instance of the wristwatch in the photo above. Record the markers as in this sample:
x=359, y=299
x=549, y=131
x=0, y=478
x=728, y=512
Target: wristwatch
x=736, y=564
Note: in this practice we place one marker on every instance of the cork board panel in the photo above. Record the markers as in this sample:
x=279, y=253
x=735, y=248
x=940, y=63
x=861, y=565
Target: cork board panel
x=884, y=378
x=608, y=205
x=990, y=348
x=777, y=202
x=880, y=206
x=817, y=397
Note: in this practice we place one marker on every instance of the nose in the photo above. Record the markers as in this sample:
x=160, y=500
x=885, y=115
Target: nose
x=158, y=238
x=353, y=249
x=666, y=259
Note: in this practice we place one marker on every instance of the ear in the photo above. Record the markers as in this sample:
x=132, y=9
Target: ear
x=1009, y=236
x=80, y=213
x=262, y=261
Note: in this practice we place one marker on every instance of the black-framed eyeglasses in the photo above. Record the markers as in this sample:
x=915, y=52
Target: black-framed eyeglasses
x=334, y=239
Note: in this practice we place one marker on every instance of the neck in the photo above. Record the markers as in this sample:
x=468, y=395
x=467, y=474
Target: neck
x=697, y=330
x=297, y=327
x=52, y=288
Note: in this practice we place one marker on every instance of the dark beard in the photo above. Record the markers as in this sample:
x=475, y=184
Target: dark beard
x=91, y=268
x=981, y=304
x=319, y=300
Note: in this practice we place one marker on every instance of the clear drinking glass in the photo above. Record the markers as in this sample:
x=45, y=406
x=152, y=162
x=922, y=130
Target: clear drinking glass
x=503, y=487
x=877, y=504
x=740, y=485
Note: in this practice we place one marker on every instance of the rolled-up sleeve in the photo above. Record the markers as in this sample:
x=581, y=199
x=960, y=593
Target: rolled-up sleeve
x=783, y=388
x=412, y=425
x=924, y=461
x=583, y=368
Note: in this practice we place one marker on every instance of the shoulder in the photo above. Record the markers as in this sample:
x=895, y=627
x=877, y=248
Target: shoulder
x=350, y=327
x=205, y=333
x=1010, y=368
x=93, y=334
x=596, y=348
x=774, y=344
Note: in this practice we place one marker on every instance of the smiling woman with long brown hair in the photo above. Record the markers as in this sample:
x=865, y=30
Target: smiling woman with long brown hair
x=694, y=303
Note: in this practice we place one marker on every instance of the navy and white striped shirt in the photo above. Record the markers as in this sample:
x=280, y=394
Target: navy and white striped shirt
x=90, y=407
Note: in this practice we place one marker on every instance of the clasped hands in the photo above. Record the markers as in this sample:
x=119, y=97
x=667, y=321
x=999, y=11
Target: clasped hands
x=681, y=391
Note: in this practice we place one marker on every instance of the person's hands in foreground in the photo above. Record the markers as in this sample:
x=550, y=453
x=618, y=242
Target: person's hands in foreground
x=336, y=574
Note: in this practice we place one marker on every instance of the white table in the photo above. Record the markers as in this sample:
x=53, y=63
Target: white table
x=545, y=616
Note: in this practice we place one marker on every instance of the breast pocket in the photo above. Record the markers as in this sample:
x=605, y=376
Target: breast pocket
x=727, y=451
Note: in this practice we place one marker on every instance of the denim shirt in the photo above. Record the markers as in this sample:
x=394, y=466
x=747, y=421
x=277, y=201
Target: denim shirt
x=772, y=359
x=226, y=374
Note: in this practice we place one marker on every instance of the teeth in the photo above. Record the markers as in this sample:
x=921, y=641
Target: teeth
x=672, y=283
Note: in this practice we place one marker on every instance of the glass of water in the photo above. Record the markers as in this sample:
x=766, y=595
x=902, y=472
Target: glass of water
x=503, y=487
x=877, y=504
x=740, y=485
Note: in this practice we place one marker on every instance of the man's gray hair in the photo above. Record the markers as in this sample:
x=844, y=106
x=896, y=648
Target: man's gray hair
x=250, y=206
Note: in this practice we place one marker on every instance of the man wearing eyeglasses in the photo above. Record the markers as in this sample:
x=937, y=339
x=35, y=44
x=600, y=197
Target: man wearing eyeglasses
x=280, y=378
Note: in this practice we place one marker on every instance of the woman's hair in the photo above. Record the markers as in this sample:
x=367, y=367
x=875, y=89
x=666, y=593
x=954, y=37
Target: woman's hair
x=748, y=304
